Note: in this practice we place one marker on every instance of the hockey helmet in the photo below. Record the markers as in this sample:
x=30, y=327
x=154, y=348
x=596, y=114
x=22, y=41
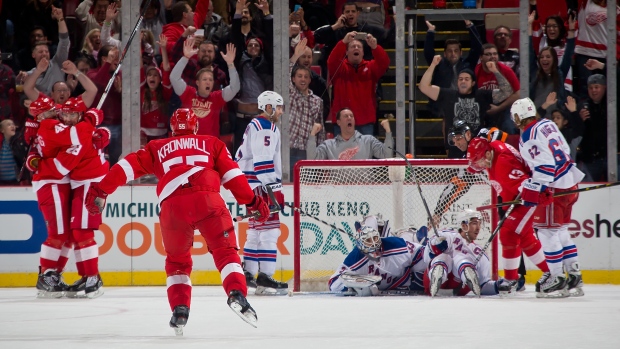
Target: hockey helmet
x=460, y=127
x=74, y=105
x=183, y=122
x=522, y=109
x=467, y=217
x=368, y=239
x=476, y=151
x=269, y=98
x=40, y=106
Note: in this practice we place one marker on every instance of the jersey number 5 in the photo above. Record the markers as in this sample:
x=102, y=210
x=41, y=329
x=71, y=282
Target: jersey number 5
x=267, y=140
x=184, y=160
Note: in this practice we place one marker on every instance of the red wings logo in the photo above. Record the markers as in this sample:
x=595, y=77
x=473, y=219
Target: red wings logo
x=348, y=154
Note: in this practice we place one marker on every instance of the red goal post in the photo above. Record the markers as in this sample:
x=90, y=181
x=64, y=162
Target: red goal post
x=340, y=192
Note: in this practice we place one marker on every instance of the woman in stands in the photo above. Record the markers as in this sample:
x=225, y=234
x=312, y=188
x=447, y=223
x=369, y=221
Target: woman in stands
x=553, y=34
x=548, y=75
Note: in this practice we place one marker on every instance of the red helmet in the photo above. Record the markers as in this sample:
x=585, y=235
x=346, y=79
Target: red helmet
x=184, y=122
x=40, y=106
x=74, y=105
x=476, y=150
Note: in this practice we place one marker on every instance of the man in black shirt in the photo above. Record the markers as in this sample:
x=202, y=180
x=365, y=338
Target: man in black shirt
x=466, y=103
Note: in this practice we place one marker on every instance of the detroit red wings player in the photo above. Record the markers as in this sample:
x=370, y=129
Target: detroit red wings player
x=190, y=169
x=59, y=149
x=507, y=171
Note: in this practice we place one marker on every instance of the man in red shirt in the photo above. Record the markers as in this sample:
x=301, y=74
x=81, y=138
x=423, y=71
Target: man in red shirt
x=355, y=80
x=507, y=171
x=182, y=17
x=486, y=80
x=190, y=169
x=203, y=101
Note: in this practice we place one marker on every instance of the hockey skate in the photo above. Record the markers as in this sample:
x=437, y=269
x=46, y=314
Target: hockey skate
x=575, y=282
x=240, y=305
x=50, y=285
x=266, y=285
x=471, y=279
x=436, y=279
x=507, y=288
x=521, y=284
x=551, y=287
x=179, y=319
x=249, y=279
x=86, y=287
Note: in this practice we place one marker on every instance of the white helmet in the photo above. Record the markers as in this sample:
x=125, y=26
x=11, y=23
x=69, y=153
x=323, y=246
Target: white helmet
x=522, y=109
x=467, y=215
x=269, y=98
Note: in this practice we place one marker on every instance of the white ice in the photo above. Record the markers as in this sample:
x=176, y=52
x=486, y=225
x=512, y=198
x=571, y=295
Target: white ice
x=137, y=317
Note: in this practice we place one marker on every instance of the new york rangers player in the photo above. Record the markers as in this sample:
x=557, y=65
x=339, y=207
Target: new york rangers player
x=452, y=257
x=260, y=160
x=190, y=169
x=507, y=171
x=389, y=263
x=547, y=153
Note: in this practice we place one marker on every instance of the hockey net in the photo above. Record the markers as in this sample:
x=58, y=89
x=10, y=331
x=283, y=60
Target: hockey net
x=342, y=192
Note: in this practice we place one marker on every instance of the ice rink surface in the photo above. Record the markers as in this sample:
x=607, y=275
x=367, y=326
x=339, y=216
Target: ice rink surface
x=137, y=317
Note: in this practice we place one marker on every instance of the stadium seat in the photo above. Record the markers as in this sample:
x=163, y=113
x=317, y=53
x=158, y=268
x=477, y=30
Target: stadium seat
x=511, y=20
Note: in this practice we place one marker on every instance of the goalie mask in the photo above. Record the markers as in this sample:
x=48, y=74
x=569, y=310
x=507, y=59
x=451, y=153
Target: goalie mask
x=368, y=239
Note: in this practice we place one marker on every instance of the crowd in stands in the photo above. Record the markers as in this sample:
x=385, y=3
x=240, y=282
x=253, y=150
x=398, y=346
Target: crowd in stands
x=216, y=57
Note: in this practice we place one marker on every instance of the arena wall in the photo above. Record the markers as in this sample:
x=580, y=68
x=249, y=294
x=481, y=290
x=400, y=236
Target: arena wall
x=132, y=253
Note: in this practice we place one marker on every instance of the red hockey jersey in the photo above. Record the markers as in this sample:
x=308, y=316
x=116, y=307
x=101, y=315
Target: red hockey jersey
x=508, y=170
x=67, y=153
x=196, y=161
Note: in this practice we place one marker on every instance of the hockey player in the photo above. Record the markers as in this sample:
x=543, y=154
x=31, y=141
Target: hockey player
x=398, y=264
x=451, y=257
x=547, y=154
x=508, y=172
x=260, y=160
x=57, y=149
x=190, y=169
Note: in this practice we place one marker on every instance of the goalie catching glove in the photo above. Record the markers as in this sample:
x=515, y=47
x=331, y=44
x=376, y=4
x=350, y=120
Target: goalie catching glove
x=95, y=199
x=259, y=209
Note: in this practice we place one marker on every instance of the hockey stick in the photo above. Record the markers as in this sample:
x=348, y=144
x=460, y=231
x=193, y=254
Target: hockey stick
x=415, y=179
x=497, y=228
x=21, y=171
x=120, y=62
x=594, y=187
x=317, y=219
x=255, y=214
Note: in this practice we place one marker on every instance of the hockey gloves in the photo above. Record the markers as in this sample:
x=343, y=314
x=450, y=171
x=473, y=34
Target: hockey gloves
x=438, y=244
x=531, y=192
x=95, y=199
x=93, y=116
x=30, y=134
x=32, y=161
x=259, y=209
x=101, y=138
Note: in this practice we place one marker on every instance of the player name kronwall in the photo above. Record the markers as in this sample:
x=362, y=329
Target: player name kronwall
x=183, y=143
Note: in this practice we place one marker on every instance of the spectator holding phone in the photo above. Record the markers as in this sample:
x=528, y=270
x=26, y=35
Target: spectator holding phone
x=355, y=80
x=331, y=35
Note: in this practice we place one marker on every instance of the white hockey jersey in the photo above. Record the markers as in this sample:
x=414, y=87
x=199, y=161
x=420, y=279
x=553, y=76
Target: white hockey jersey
x=547, y=154
x=259, y=155
x=399, y=263
x=463, y=253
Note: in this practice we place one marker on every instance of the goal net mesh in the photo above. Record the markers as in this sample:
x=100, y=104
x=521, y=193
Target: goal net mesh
x=342, y=192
